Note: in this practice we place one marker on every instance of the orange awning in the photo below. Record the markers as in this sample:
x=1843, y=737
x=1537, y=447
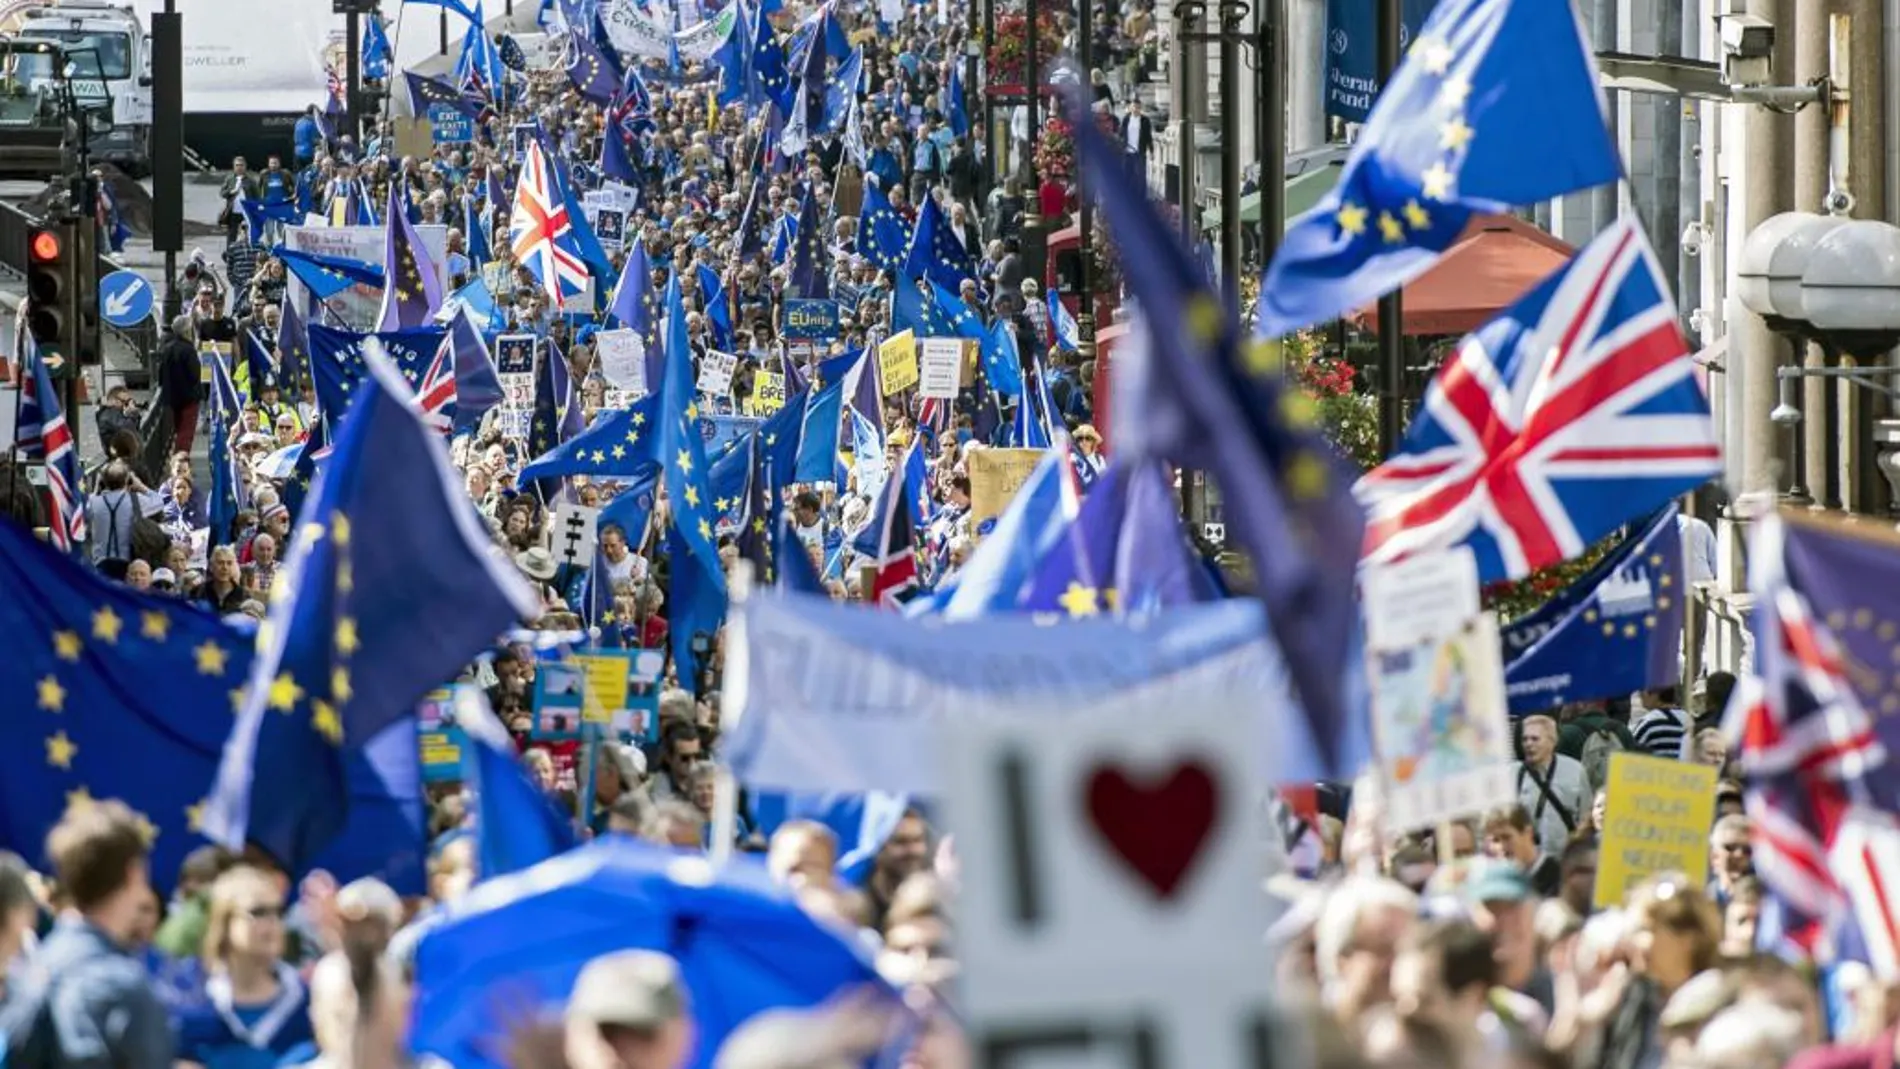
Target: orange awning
x=1495, y=261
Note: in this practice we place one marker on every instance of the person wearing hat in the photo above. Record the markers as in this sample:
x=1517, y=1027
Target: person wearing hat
x=629, y=1010
x=1089, y=441
x=179, y=377
x=538, y=564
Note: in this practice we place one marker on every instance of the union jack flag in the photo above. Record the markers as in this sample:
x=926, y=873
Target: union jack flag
x=1571, y=412
x=1810, y=751
x=890, y=541
x=541, y=232
x=437, y=392
x=42, y=435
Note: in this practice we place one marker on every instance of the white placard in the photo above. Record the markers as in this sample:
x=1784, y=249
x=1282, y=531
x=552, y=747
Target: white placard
x=581, y=303
x=940, y=368
x=715, y=373
x=623, y=360
x=619, y=195
x=360, y=305
x=1114, y=822
x=1423, y=596
x=575, y=534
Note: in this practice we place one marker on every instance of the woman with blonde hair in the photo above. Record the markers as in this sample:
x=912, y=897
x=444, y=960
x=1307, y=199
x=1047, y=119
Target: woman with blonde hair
x=255, y=1010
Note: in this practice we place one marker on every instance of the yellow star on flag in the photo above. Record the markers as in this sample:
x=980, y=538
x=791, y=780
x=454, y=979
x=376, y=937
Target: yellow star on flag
x=1351, y=218
x=692, y=410
x=324, y=719
x=154, y=625
x=1437, y=185
x=340, y=528
x=106, y=625
x=619, y=452
x=1415, y=216
x=60, y=750
x=211, y=658
x=639, y=420
x=1204, y=318
x=1454, y=92
x=195, y=817
x=52, y=695
x=1079, y=601
x=1433, y=54
x=285, y=693
x=66, y=645
x=692, y=496
x=1455, y=134
x=340, y=689
x=600, y=456
x=79, y=799
x=346, y=640
x=148, y=831
x=237, y=701
x=1305, y=476
x=1391, y=229
x=705, y=530
x=685, y=462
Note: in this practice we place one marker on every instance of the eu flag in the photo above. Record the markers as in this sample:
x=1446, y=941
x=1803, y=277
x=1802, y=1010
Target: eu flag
x=390, y=587
x=377, y=55
x=590, y=72
x=936, y=252
x=913, y=310
x=712, y=297
x=964, y=322
x=633, y=306
x=882, y=235
x=227, y=488
x=327, y=276
x=620, y=444
x=956, y=110
x=1495, y=105
x=770, y=81
x=1212, y=400
x=698, y=592
x=425, y=91
x=809, y=277
x=293, y=345
x=557, y=408
x=337, y=364
x=841, y=92
x=413, y=289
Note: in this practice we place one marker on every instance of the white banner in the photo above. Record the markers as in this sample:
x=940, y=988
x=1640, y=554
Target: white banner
x=634, y=34
x=715, y=373
x=623, y=360
x=827, y=698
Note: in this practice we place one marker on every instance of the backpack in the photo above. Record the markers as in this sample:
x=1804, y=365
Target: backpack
x=150, y=543
x=1599, y=745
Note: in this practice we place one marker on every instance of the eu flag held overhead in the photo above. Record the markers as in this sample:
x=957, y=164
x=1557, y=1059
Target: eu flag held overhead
x=1495, y=105
x=620, y=444
x=390, y=587
x=699, y=580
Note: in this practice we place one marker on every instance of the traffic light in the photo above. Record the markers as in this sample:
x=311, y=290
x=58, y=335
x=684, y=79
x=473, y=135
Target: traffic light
x=50, y=288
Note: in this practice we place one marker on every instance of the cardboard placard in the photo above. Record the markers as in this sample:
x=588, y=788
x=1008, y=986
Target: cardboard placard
x=576, y=534
x=1657, y=819
x=623, y=360
x=807, y=319
x=897, y=363
x=768, y=393
x=715, y=373
x=940, y=368
x=438, y=738
x=995, y=476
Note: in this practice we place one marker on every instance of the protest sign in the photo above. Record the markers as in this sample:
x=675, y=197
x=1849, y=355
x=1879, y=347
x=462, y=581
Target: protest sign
x=897, y=363
x=514, y=371
x=720, y=431
x=580, y=303
x=632, y=33
x=623, y=360
x=438, y=738
x=1113, y=822
x=448, y=126
x=1656, y=819
x=809, y=319
x=560, y=701
x=522, y=136
x=1439, y=724
x=610, y=226
x=360, y=306
x=715, y=373
x=940, y=368
x=575, y=533
x=995, y=476
x=821, y=697
x=606, y=674
x=768, y=394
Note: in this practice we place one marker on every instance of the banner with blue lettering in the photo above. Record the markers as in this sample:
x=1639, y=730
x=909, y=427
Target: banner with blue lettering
x=1615, y=631
x=1352, y=52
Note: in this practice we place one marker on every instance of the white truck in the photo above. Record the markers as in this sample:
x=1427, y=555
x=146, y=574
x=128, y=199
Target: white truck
x=106, y=43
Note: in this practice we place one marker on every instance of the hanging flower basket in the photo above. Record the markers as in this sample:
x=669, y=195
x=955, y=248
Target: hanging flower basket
x=1008, y=73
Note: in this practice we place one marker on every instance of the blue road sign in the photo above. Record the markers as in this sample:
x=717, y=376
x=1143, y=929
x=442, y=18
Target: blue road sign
x=125, y=298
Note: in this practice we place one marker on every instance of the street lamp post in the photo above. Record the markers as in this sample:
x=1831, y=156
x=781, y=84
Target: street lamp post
x=1085, y=213
x=1270, y=81
x=1391, y=309
x=1231, y=14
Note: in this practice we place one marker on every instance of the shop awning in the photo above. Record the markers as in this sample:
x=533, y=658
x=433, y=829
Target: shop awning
x=1495, y=262
x=1302, y=192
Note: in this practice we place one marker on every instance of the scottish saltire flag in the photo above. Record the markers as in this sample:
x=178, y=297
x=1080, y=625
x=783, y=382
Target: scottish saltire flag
x=1496, y=104
x=479, y=69
x=698, y=600
x=1216, y=401
x=1615, y=631
x=42, y=434
x=516, y=823
x=889, y=542
x=541, y=232
x=621, y=444
x=413, y=288
x=391, y=587
x=337, y=362
x=377, y=55
x=1572, y=412
x=327, y=276
x=817, y=456
x=1035, y=521
x=1818, y=780
x=1068, y=334
x=883, y=238
x=936, y=252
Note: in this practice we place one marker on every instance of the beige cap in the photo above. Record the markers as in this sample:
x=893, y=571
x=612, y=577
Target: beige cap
x=638, y=989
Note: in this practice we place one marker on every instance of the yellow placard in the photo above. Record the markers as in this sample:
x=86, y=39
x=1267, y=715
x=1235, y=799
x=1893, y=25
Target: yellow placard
x=1657, y=820
x=606, y=686
x=897, y=362
x=439, y=748
x=995, y=476
x=768, y=393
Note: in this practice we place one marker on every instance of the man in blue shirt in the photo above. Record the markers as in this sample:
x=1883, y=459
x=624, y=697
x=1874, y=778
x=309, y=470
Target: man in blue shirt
x=85, y=1000
x=307, y=135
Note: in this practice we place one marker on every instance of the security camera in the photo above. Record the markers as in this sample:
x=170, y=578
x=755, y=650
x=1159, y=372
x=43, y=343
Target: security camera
x=1692, y=239
x=1838, y=202
x=1785, y=415
x=1748, y=36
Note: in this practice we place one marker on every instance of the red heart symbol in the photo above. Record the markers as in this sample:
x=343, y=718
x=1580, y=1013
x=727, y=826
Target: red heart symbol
x=1156, y=827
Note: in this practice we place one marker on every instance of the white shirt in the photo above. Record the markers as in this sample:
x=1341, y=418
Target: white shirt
x=1569, y=786
x=1698, y=548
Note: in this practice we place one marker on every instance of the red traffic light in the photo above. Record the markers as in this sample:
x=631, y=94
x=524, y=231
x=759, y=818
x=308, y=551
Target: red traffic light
x=44, y=246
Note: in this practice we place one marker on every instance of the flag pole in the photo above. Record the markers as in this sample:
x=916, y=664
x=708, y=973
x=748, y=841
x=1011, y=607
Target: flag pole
x=732, y=700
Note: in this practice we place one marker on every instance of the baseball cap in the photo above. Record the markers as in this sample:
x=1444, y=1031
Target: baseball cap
x=637, y=989
x=164, y=576
x=1497, y=881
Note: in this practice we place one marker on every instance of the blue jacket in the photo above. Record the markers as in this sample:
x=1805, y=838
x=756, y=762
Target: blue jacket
x=85, y=1003
x=306, y=136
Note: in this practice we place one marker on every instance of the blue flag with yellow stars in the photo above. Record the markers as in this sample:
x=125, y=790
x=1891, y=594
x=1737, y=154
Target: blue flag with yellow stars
x=293, y=349
x=913, y=310
x=758, y=521
x=635, y=307
x=698, y=597
x=413, y=288
x=621, y=444
x=390, y=587
x=557, y=410
x=327, y=276
x=935, y=251
x=883, y=237
x=589, y=70
x=810, y=278
x=1216, y=401
x=337, y=366
x=963, y=321
x=1495, y=105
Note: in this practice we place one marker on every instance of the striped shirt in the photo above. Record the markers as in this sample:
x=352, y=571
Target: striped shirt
x=1663, y=733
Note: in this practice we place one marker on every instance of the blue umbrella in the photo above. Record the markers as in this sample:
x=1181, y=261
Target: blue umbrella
x=517, y=942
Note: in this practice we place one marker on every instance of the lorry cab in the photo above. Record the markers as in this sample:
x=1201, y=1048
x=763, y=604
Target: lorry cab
x=111, y=60
x=33, y=108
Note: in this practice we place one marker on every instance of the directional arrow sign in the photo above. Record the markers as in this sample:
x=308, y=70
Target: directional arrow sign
x=125, y=298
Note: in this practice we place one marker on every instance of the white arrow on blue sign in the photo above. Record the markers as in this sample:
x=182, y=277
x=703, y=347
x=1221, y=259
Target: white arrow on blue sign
x=125, y=298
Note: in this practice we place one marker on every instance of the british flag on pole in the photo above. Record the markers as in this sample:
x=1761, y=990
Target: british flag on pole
x=541, y=232
x=1570, y=413
x=436, y=395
